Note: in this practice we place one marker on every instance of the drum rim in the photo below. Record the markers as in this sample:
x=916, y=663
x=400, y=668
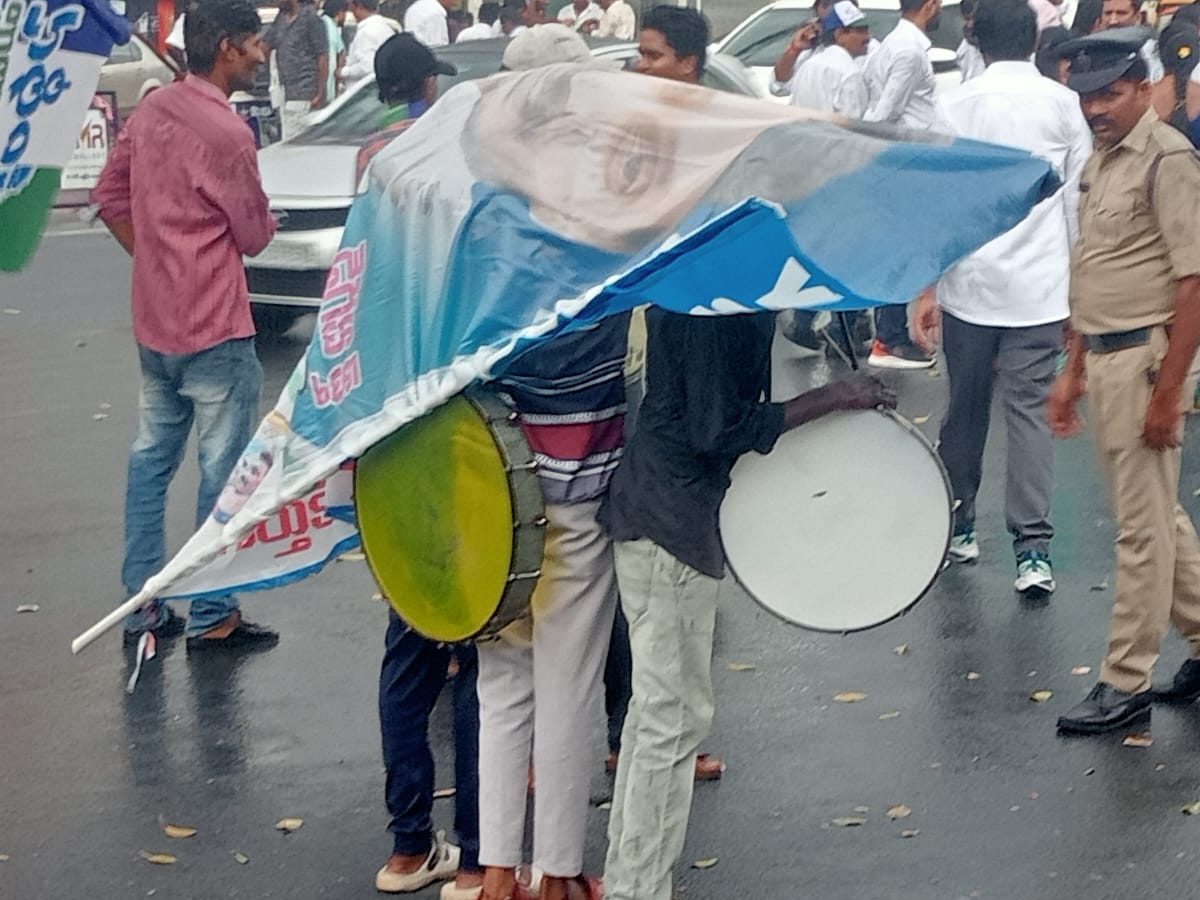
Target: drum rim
x=912, y=429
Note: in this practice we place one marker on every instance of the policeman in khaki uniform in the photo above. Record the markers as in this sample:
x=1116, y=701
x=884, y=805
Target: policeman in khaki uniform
x=1135, y=317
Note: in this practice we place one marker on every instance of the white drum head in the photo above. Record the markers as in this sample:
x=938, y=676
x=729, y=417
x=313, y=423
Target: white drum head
x=843, y=526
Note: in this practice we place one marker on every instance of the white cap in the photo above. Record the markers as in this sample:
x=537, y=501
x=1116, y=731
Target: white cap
x=544, y=45
x=844, y=14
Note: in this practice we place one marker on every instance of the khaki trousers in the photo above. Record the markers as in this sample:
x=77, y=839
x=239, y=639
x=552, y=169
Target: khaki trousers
x=1158, y=555
x=672, y=612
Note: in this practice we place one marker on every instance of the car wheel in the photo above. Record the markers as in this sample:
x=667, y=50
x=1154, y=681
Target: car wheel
x=273, y=321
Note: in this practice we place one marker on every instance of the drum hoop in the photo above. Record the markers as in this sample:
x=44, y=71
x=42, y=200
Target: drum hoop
x=924, y=441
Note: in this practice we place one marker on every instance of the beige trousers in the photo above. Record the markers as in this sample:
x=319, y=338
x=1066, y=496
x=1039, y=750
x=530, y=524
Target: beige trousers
x=672, y=612
x=1158, y=555
x=540, y=698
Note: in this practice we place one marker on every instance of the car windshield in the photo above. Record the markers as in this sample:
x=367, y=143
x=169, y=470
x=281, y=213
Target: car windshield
x=762, y=42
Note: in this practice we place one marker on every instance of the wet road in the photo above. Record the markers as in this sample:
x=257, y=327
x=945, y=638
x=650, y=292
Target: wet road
x=1003, y=807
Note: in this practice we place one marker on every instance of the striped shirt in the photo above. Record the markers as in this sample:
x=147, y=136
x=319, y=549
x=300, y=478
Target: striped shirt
x=570, y=396
x=185, y=172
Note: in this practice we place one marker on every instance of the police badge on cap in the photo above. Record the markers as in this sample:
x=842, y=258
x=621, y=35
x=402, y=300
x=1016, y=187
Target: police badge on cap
x=1098, y=60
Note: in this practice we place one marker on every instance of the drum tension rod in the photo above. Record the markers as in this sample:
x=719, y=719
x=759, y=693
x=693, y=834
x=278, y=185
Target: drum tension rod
x=524, y=576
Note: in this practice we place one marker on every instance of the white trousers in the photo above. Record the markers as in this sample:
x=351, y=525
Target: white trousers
x=672, y=611
x=539, y=695
x=294, y=117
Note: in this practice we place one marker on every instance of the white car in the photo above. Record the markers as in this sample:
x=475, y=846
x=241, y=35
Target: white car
x=310, y=178
x=762, y=36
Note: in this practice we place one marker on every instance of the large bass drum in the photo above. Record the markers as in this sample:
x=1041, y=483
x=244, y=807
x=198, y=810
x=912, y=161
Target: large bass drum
x=809, y=536
x=451, y=518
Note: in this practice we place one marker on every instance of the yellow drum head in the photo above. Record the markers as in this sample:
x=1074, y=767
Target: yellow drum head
x=436, y=521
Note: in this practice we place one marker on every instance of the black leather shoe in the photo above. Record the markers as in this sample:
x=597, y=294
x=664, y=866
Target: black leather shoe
x=1106, y=709
x=245, y=638
x=171, y=625
x=1186, y=686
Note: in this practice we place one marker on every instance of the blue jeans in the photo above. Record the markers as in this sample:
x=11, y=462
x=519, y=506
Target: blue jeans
x=410, y=680
x=891, y=324
x=217, y=389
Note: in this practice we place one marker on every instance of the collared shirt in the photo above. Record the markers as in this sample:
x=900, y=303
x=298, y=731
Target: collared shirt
x=970, y=60
x=426, y=21
x=1138, y=230
x=1020, y=278
x=591, y=13
x=185, y=172
x=831, y=81
x=706, y=377
x=900, y=79
x=370, y=35
x=337, y=46
x=1048, y=15
x=784, y=88
x=298, y=44
x=618, y=21
x=480, y=31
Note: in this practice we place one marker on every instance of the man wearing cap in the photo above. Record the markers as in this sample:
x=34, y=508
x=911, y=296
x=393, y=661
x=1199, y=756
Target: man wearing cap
x=831, y=80
x=1129, y=14
x=1135, y=314
x=1002, y=308
x=414, y=669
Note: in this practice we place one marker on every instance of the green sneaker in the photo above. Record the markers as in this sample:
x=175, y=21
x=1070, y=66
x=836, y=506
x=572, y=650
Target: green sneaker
x=963, y=547
x=1035, y=578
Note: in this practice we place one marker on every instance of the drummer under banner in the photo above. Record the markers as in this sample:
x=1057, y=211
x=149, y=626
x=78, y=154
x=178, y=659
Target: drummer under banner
x=524, y=204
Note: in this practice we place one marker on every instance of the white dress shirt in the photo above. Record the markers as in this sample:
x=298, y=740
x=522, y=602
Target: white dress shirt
x=784, y=88
x=369, y=36
x=480, y=31
x=1048, y=15
x=900, y=79
x=591, y=13
x=1020, y=278
x=831, y=81
x=426, y=21
x=970, y=60
x=618, y=21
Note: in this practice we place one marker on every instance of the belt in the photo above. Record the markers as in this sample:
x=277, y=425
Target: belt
x=1116, y=340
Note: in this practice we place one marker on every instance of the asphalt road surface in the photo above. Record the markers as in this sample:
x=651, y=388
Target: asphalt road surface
x=1000, y=806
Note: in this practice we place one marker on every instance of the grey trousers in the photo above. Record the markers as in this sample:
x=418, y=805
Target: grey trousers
x=1022, y=360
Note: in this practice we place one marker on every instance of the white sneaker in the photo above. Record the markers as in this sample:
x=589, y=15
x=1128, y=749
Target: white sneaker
x=451, y=891
x=1034, y=575
x=964, y=547
x=440, y=865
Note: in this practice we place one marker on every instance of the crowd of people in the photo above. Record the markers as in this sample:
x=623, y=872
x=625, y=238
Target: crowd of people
x=1107, y=269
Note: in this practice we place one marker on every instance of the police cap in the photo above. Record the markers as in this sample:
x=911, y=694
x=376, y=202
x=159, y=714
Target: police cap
x=1097, y=60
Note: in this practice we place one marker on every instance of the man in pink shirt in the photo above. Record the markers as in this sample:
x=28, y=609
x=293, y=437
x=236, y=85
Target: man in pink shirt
x=181, y=193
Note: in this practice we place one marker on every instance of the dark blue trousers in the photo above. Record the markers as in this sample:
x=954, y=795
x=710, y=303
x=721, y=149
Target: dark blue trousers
x=413, y=672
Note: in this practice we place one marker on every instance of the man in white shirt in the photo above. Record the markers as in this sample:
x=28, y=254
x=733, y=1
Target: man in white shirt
x=831, y=80
x=578, y=13
x=901, y=87
x=618, y=21
x=482, y=30
x=1003, y=306
x=369, y=35
x=426, y=21
x=967, y=56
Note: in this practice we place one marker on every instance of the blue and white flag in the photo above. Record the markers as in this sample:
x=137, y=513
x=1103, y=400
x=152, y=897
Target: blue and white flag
x=522, y=205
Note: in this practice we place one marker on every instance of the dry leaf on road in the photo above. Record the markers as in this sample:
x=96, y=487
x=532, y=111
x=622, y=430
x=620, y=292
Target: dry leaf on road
x=891, y=715
x=28, y=608
x=899, y=811
x=972, y=676
x=288, y=825
x=920, y=420
x=1137, y=740
x=1041, y=696
x=909, y=833
x=1081, y=670
x=849, y=696
x=706, y=863
x=159, y=859
x=241, y=857
x=443, y=793
x=352, y=556
x=741, y=667
x=901, y=650
x=179, y=831
x=1192, y=809
x=848, y=821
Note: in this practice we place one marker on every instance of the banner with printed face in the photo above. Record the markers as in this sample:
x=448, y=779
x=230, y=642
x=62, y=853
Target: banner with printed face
x=459, y=253
x=51, y=52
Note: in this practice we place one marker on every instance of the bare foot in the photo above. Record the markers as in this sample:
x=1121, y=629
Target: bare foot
x=405, y=864
x=498, y=883
x=468, y=878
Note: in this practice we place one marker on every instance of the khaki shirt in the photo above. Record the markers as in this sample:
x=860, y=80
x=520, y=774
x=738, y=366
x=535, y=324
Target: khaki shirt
x=1135, y=239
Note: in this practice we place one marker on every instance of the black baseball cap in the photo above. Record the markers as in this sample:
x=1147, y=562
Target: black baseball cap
x=402, y=64
x=1097, y=60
